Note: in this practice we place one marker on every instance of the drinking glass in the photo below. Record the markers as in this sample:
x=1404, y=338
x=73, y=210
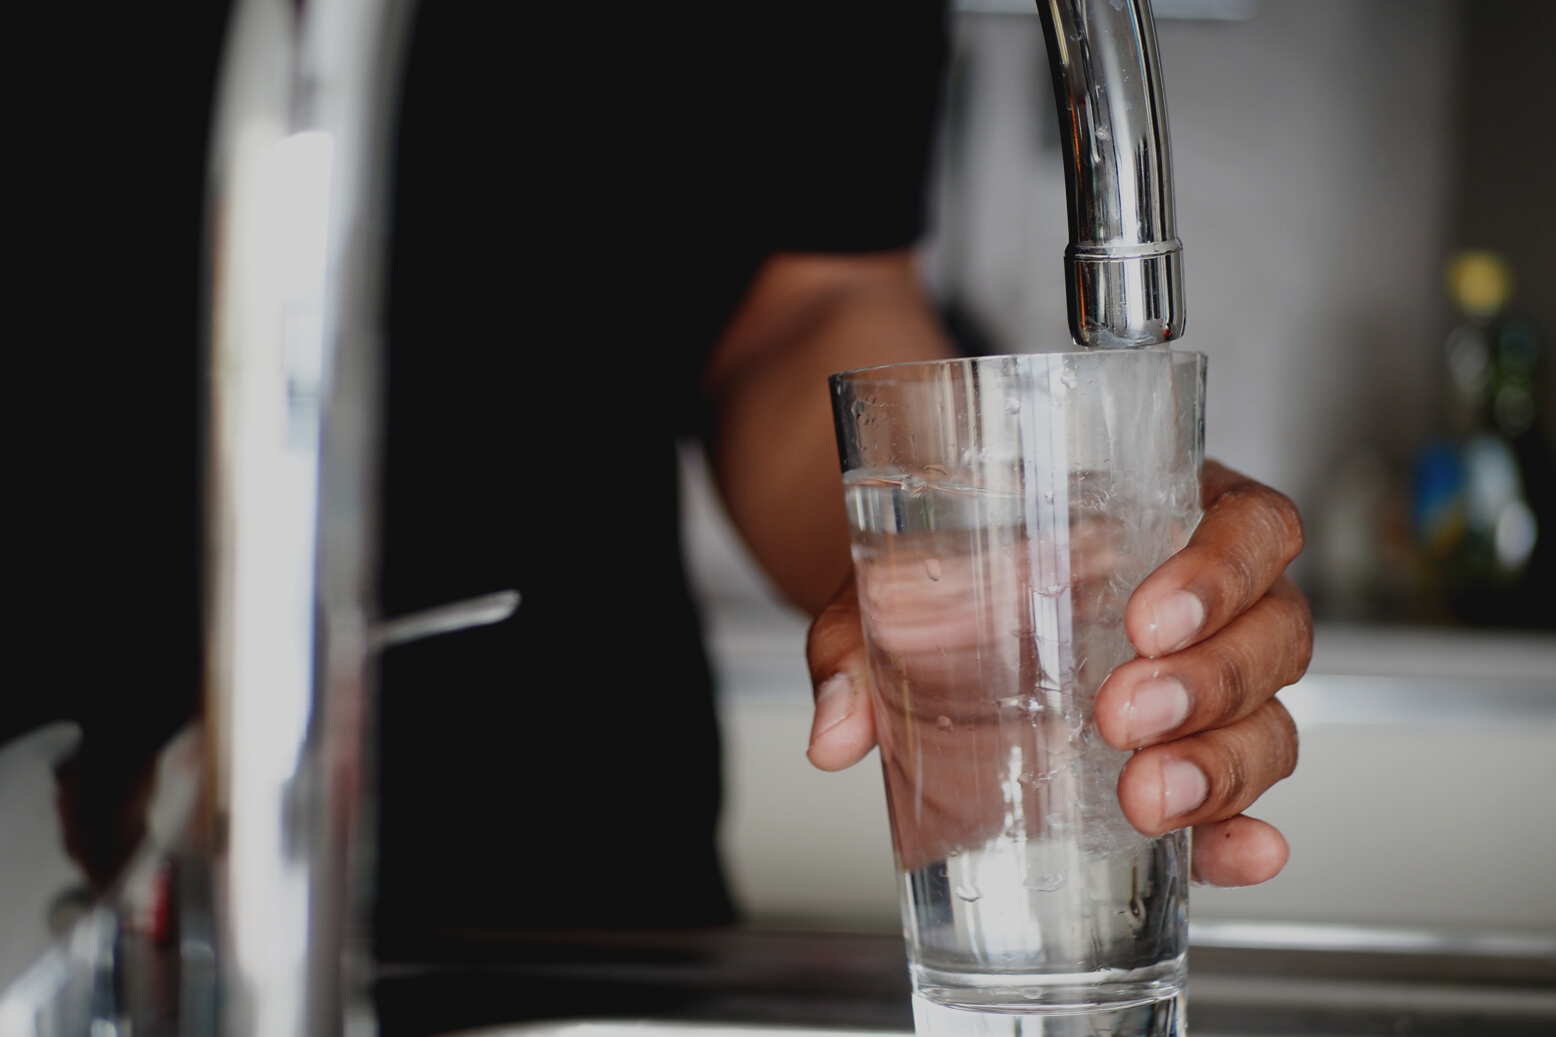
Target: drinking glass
x=1003, y=509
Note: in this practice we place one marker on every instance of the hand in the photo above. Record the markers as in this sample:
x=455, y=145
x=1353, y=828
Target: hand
x=1218, y=630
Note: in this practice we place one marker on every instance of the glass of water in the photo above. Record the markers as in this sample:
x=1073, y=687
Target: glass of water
x=1003, y=509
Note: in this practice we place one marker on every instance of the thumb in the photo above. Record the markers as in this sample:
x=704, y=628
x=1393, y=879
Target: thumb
x=843, y=730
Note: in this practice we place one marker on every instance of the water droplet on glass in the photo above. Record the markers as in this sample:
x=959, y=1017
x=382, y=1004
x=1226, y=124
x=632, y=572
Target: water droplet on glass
x=954, y=852
x=1046, y=883
x=913, y=486
x=932, y=568
x=969, y=893
x=1069, y=379
x=944, y=723
x=1013, y=405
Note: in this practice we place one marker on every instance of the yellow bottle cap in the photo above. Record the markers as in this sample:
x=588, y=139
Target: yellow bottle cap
x=1479, y=282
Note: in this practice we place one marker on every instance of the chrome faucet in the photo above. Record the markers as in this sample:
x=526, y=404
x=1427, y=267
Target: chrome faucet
x=282, y=861
x=1124, y=263
x=297, y=197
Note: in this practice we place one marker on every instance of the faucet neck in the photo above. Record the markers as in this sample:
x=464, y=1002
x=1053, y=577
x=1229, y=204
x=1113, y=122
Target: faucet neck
x=1124, y=263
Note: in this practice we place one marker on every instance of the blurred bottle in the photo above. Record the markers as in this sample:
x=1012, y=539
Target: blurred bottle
x=1483, y=496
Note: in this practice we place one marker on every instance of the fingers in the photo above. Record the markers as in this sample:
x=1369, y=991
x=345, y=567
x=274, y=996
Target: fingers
x=843, y=730
x=1219, y=629
x=1248, y=535
x=1210, y=776
x=1240, y=851
x=1214, y=683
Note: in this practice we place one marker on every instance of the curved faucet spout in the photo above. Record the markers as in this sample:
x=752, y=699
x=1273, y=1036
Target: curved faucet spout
x=1124, y=264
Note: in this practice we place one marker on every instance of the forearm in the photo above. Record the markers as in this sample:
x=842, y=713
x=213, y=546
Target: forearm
x=805, y=318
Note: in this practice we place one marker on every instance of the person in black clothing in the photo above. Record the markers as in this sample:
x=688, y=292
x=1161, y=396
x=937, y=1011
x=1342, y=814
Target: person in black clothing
x=680, y=227
x=611, y=230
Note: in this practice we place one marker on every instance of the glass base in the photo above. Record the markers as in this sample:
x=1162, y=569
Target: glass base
x=1024, y=991
x=1164, y=1017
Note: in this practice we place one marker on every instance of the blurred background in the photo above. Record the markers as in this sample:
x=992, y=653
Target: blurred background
x=1364, y=196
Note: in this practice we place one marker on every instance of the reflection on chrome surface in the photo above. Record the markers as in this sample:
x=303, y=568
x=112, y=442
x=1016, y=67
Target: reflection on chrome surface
x=1124, y=263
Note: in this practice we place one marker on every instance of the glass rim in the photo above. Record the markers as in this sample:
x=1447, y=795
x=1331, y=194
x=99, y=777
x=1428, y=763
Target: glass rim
x=879, y=374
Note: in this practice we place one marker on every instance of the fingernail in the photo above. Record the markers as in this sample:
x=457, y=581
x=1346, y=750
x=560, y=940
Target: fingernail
x=1183, y=788
x=1176, y=621
x=1158, y=706
x=834, y=702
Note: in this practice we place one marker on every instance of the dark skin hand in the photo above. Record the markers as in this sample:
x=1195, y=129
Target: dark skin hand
x=1197, y=703
x=1242, y=632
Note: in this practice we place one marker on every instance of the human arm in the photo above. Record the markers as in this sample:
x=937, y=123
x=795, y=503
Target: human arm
x=805, y=316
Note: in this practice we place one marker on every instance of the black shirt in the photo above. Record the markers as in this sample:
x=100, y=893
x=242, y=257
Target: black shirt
x=583, y=197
